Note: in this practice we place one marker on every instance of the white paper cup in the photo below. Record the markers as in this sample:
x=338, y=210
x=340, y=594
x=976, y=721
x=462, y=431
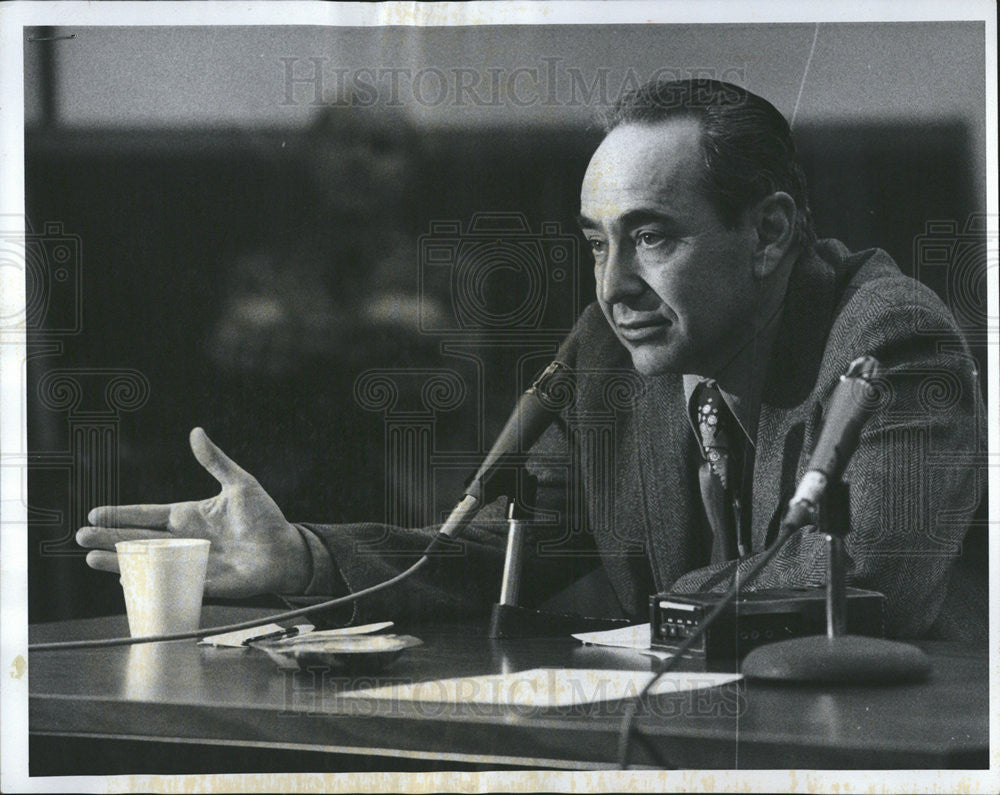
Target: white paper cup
x=163, y=581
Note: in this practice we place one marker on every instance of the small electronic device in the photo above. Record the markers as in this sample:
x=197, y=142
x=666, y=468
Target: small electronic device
x=756, y=618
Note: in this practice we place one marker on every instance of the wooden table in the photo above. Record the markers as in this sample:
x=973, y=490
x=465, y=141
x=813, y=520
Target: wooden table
x=185, y=693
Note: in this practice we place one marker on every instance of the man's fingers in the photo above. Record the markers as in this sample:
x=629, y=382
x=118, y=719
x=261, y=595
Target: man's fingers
x=107, y=537
x=218, y=464
x=103, y=561
x=154, y=517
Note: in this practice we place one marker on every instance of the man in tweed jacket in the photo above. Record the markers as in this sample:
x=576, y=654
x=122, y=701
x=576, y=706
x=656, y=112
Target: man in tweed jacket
x=707, y=270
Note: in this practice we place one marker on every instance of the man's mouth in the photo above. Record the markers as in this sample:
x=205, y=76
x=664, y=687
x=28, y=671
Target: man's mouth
x=642, y=330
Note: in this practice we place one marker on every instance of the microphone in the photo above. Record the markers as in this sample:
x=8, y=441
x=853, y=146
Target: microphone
x=850, y=407
x=534, y=412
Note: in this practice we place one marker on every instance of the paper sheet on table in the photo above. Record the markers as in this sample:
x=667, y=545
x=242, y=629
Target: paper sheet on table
x=634, y=637
x=545, y=687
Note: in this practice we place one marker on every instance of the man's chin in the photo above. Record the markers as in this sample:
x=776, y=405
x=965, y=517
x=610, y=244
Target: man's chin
x=651, y=360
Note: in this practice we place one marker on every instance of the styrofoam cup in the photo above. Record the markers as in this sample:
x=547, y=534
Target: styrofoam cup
x=163, y=581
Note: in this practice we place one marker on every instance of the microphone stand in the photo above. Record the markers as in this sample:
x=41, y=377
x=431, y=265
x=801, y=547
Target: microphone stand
x=509, y=619
x=837, y=657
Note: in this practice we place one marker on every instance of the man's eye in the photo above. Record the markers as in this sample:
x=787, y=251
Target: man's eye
x=649, y=239
x=597, y=245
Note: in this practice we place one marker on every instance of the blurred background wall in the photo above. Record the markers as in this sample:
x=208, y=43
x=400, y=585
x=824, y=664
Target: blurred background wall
x=340, y=249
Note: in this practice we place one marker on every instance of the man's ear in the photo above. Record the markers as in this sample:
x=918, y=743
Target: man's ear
x=775, y=221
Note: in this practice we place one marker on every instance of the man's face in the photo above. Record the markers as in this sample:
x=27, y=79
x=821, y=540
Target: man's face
x=676, y=284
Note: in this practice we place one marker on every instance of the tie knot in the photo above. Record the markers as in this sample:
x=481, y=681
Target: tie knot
x=710, y=407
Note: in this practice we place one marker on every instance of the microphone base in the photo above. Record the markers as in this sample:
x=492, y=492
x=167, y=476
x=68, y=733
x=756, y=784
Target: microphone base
x=845, y=659
x=510, y=621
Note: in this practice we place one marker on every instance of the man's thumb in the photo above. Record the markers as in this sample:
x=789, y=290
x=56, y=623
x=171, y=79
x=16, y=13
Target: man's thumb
x=219, y=465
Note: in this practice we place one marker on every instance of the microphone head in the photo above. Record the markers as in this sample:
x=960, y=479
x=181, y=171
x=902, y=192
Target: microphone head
x=864, y=367
x=554, y=388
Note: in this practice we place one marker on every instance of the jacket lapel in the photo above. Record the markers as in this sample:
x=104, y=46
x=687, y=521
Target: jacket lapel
x=642, y=460
x=673, y=520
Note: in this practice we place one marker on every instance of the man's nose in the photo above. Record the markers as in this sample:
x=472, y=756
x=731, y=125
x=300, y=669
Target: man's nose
x=618, y=279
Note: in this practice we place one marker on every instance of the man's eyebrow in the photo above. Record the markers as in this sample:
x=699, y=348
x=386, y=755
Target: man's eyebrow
x=642, y=215
x=631, y=218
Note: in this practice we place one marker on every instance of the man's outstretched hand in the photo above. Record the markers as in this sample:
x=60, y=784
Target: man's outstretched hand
x=254, y=548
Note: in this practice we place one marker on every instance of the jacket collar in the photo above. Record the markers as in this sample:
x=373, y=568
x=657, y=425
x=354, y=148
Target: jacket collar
x=797, y=351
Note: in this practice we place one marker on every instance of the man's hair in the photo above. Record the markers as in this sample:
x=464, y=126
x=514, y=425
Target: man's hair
x=746, y=144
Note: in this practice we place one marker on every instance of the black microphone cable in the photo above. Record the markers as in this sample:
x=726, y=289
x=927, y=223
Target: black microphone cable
x=629, y=730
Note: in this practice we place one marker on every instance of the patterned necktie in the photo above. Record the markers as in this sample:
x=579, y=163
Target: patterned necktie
x=715, y=422
x=718, y=435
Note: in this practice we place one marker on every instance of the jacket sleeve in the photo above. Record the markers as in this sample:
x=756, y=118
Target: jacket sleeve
x=914, y=479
